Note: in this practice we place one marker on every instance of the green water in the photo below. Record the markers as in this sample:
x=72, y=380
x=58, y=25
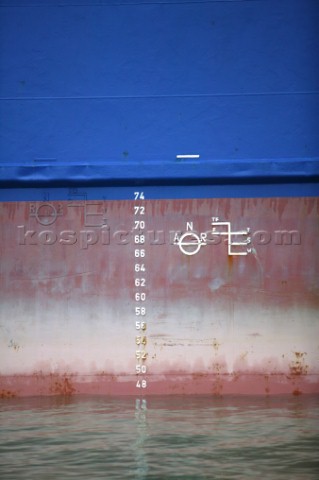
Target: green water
x=161, y=438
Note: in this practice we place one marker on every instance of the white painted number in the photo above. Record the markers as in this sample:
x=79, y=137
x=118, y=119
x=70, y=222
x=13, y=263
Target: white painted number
x=141, y=355
x=139, y=239
x=141, y=340
x=139, y=210
x=140, y=297
x=139, y=196
x=139, y=225
x=140, y=325
x=139, y=253
x=140, y=369
x=139, y=267
x=141, y=384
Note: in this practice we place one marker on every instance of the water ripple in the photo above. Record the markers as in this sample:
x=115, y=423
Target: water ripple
x=161, y=438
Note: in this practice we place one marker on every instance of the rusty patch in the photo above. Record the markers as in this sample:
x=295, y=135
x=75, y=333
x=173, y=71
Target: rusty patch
x=216, y=345
x=107, y=376
x=243, y=356
x=267, y=387
x=230, y=261
x=300, y=354
x=14, y=345
x=298, y=366
x=7, y=394
x=38, y=375
x=297, y=392
x=198, y=375
x=217, y=387
x=62, y=386
x=235, y=376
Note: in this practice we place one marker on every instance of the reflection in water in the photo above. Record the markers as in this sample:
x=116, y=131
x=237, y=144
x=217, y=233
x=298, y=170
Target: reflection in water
x=141, y=436
x=162, y=438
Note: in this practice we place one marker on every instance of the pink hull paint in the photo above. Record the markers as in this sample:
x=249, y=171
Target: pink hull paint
x=167, y=384
x=216, y=324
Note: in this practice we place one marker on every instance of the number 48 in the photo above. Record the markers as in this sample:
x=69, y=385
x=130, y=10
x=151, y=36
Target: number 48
x=141, y=384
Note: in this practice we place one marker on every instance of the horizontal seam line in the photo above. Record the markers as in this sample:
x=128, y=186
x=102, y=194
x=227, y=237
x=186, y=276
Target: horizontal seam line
x=122, y=4
x=127, y=97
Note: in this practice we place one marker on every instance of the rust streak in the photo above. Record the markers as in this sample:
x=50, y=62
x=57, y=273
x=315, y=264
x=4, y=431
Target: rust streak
x=7, y=394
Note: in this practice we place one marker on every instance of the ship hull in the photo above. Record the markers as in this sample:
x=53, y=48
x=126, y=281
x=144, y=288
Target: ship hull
x=218, y=319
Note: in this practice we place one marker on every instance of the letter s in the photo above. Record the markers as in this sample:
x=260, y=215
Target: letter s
x=67, y=237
